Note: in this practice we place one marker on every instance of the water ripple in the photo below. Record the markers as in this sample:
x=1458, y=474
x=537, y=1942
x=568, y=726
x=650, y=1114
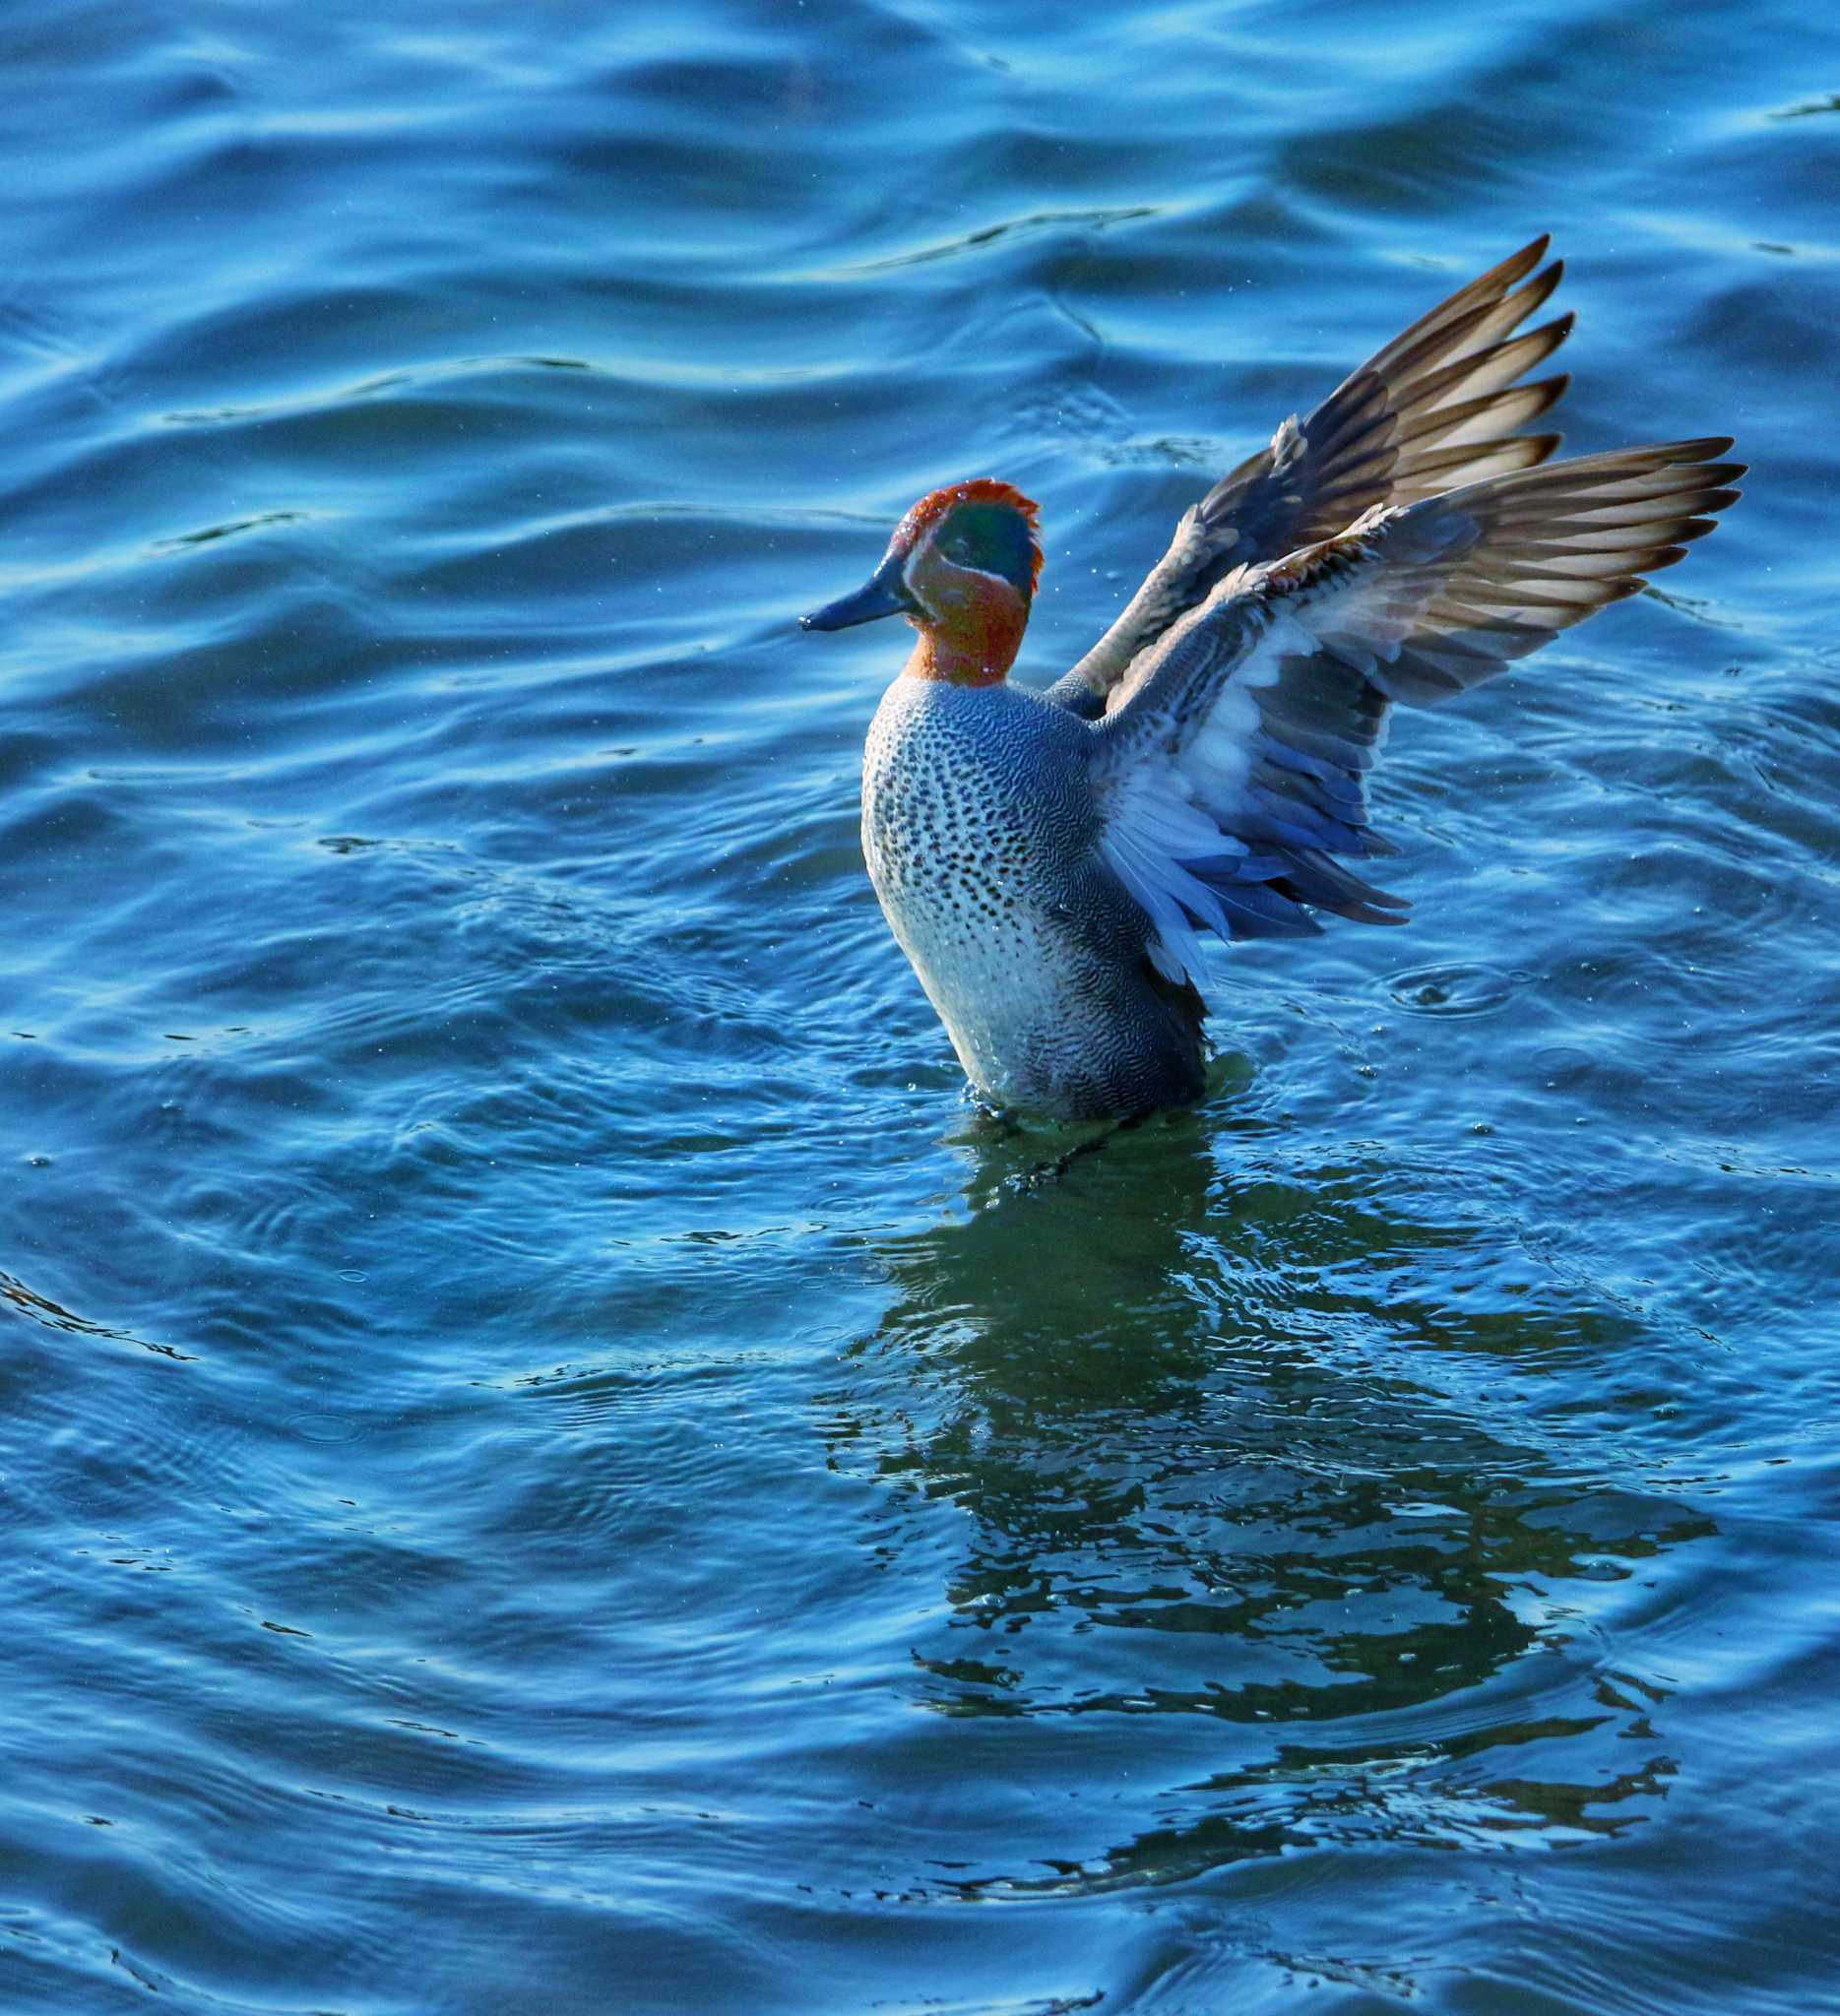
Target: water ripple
x=534, y=1405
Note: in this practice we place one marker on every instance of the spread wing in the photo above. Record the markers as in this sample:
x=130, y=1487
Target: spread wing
x=1235, y=770
x=1438, y=405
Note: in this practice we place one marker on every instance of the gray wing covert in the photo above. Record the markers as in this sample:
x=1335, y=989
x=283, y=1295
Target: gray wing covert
x=1234, y=772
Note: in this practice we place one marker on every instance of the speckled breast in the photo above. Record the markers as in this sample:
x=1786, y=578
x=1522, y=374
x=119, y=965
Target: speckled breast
x=976, y=825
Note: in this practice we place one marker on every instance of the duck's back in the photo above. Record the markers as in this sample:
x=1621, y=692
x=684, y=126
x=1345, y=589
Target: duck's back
x=979, y=829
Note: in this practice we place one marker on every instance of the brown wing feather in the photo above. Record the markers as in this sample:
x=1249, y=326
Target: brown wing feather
x=1439, y=405
x=1446, y=592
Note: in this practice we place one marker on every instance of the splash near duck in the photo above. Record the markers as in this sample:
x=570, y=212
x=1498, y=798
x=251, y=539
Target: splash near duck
x=1047, y=859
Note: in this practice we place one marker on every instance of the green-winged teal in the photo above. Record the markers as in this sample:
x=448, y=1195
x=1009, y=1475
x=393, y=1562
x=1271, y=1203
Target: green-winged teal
x=1047, y=858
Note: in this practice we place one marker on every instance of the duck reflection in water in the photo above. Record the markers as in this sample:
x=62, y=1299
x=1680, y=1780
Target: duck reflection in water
x=1257, y=1499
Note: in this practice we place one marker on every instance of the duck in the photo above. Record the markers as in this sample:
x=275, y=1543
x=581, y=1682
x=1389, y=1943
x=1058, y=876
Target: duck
x=1048, y=859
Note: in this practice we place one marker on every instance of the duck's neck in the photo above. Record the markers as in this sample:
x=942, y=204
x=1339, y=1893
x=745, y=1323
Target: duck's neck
x=979, y=644
x=951, y=665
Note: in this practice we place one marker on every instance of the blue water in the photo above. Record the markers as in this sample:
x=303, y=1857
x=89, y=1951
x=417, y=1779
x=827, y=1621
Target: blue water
x=550, y=1460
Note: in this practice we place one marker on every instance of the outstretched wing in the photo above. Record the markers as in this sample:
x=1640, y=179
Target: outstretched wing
x=1237, y=769
x=1438, y=405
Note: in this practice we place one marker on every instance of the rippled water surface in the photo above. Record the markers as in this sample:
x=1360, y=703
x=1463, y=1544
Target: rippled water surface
x=550, y=1460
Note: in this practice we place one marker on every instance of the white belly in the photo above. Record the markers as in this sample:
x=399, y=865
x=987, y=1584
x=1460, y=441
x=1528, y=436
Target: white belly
x=984, y=961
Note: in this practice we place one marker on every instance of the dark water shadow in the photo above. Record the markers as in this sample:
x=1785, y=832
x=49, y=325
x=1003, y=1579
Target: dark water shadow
x=1238, y=1498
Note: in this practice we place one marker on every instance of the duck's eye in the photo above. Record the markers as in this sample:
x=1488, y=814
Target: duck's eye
x=957, y=549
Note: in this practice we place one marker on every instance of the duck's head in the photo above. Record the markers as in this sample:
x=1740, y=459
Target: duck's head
x=962, y=568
